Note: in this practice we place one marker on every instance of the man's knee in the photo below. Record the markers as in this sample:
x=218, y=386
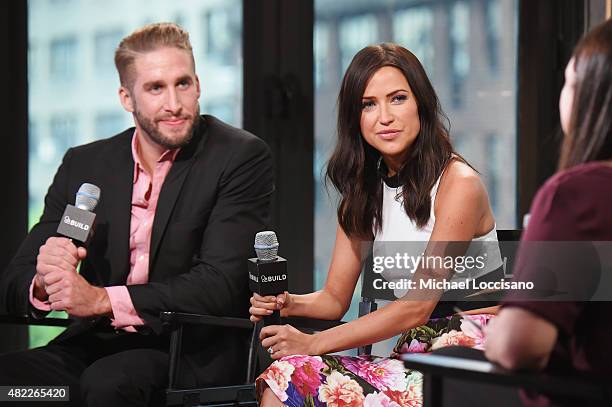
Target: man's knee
x=108, y=389
x=120, y=380
x=8, y=368
x=30, y=367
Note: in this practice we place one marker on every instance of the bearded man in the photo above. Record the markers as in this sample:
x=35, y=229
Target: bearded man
x=183, y=195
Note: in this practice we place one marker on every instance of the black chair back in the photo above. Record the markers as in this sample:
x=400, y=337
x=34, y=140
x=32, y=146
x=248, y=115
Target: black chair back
x=508, y=242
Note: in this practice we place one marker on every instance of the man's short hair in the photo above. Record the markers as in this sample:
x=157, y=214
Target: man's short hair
x=146, y=39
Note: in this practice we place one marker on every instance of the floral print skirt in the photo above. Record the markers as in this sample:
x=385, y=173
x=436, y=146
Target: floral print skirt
x=338, y=381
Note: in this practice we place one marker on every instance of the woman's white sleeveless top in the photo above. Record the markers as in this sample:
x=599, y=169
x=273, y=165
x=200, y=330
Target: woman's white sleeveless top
x=398, y=227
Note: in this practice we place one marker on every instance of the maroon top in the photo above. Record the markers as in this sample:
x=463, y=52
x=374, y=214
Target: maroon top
x=574, y=205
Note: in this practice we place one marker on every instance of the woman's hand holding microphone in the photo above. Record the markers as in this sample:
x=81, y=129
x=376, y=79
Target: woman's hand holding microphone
x=279, y=340
x=262, y=306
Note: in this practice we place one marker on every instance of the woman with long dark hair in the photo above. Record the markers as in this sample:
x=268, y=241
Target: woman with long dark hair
x=572, y=209
x=399, y=179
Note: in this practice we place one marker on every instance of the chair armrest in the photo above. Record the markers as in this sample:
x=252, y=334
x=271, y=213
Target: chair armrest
x=177, y=318
x=175, y=322
x=28, y=320
x=310, y=324
x=487, y=372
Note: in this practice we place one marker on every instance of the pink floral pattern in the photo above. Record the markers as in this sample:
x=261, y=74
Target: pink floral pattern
x=411, y=397
x=341, y=391
x=414, y=347
x=343, y=381
x=379, y=400
x=382, y=373
x=278, y=376
x=453, y=338
x=473, y=332
x=306, y=378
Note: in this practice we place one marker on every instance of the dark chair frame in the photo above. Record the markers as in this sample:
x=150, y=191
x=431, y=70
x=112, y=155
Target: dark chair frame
x=368, y=297
x=242, y=395
x=27, y=320
x=226, y=396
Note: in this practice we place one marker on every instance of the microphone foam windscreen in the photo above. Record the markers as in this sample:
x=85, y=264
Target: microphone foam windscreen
x=87, y=197
x=266, y=246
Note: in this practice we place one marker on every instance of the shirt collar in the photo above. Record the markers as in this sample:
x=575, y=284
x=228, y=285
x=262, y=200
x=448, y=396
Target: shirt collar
x=167, y=155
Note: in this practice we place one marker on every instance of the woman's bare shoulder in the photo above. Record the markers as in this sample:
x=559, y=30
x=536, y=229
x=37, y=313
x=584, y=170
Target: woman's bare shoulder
x=460, y=178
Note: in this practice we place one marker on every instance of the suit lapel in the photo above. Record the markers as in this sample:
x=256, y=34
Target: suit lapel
x=172, y=187
x=118, y=194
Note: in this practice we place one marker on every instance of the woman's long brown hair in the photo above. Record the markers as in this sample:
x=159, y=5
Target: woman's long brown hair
x=589, y=137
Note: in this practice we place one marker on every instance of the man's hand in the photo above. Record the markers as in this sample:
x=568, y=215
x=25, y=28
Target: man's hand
x=64, y=288
x=70, y=292
x=39, y=288
x=57, y=254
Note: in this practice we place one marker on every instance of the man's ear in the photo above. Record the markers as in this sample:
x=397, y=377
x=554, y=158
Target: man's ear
x=126, y=99
x=197, y=82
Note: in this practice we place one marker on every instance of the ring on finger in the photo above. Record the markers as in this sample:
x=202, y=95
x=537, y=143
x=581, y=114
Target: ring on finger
x=270, y=350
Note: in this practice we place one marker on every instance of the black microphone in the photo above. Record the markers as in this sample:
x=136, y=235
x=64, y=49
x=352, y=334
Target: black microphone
x=268, y=271
x=77, y=222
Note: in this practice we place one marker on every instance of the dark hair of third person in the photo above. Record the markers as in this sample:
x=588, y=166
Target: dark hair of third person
x=589, y=137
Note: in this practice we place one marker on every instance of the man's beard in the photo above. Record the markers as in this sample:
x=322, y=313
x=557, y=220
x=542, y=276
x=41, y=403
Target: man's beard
x=151, y=127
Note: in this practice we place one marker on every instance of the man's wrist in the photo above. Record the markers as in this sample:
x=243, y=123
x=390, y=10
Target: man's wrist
x=103, y=304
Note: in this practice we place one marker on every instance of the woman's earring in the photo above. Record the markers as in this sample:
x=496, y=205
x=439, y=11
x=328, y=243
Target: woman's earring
x=378, y=164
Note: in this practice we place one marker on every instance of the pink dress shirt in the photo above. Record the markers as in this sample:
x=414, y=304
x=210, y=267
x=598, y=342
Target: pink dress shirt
x=145, y=194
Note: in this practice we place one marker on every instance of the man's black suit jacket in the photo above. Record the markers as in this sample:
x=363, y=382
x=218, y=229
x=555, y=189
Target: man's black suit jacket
x=214, y=199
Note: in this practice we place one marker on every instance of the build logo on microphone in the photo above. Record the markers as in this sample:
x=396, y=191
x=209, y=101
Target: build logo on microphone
x=75, y=223
x=271, y=279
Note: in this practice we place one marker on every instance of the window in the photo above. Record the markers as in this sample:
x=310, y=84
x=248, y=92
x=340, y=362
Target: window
x=355, y=31
x=220, y=109
x=221, y=62
x=34, y=62
x=105, y=44
x=493, y=24
x=110, y=123
x=493, y=170
x=321, y=44
x=47, y=149
x=63, y=53
x=179, y=20
x=222, y=28
x=413, y=28
x=460, y=57
x=63, y=132
x=463, y=145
